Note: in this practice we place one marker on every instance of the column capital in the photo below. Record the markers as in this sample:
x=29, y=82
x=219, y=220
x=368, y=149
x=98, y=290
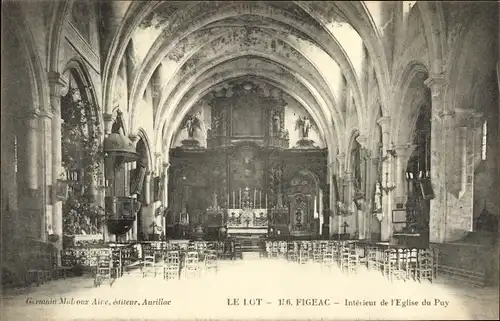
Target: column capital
x=434, y=80
x=361, y=139
x=37, y=113
x=384, y=122
x=435, y=83
x=107, y=117
x=404, y=150
x=59, y=85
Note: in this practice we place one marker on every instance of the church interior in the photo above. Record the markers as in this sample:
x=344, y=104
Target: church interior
x=209, y=159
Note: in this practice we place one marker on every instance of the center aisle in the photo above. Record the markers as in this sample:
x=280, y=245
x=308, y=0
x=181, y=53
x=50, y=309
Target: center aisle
x=250, y=288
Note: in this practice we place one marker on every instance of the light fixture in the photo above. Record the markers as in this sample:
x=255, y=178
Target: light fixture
x=392, y=151
x=388, y=187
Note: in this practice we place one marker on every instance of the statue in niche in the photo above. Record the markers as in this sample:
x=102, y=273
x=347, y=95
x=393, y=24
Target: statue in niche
x=276, y=123
x=192, y=123
x=378, y=198
x=298, y=218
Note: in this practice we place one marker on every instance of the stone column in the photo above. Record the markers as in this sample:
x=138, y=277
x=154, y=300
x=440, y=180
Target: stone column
x=45, y=132
x=166, y=166
x=333, y=200
x=32, y=151
x=337, y=222
x=403, y=154
x=147, y=216
x=108, y=173
x=58, y=88
x=361, y=213
x=386, y=224
x=350, y=219
x=440, y=126
x=33, y=219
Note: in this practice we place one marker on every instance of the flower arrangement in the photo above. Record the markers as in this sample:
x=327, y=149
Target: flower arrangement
x=82, y=158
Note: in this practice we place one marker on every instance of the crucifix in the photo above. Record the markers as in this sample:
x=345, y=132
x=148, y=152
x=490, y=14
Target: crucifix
x=345, y=226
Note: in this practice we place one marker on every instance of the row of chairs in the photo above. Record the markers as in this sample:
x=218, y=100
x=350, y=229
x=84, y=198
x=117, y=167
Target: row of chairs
x=229, y=249
x=394, y=263
x=404, y=263
x=174, y=264
x=44, y=267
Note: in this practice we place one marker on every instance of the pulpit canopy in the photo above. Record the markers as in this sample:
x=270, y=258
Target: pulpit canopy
x=119, y=145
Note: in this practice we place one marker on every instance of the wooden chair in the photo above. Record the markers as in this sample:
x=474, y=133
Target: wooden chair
x=303, y=256
x=345, y=253
x=191, y=265
x=353, y=260
x=211, y=261
x=35, y=271
x=172, y=265
x=396, y=265
x=149, y=265
x=425, y=265
x=104, y=268
x=372, y=262
x=317, y=256
x=411, y=263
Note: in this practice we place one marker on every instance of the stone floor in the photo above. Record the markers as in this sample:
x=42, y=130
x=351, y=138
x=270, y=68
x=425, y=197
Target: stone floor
x=252, y=289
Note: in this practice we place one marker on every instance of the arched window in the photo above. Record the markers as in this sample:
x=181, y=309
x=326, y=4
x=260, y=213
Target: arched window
x=484, y=140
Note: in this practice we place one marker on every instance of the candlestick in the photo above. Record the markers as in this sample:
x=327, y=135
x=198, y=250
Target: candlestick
x=260, y=199
x=254, y=197
x=234, y=199
x=240, y=198
x=266, y=201
x=227, y=200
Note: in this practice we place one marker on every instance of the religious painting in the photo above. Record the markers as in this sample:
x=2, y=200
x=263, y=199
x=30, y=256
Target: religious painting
x=246, y=169
x=247, y=121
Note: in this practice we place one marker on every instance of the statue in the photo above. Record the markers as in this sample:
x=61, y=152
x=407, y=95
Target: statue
x=192, y=123
x=118, y=123
x=378, y=198
x=304, y=124
x=276, y=124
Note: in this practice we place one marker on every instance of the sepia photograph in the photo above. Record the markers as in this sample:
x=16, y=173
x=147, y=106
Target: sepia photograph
x=250, y=160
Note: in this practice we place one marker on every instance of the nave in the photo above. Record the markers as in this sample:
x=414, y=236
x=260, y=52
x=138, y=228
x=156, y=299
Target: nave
x=253, y=127
x=268, y=285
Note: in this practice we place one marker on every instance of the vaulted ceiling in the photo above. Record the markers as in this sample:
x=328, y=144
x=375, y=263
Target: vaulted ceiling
x=314, y=51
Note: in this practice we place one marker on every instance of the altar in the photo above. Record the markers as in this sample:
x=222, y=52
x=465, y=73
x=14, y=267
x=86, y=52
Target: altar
x=247, y=221
x=243, y=177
